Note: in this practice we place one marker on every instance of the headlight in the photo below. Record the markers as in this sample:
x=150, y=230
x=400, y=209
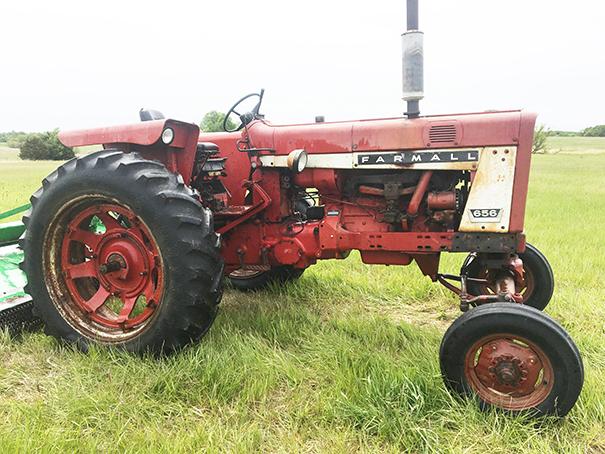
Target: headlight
x=297, y=160
x=168, y=136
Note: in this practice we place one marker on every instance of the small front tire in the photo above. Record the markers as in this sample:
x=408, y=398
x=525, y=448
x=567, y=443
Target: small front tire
x=539, y=279
x=512, y=357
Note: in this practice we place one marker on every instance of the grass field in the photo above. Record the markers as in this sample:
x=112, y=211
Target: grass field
x=343, y=360
x=595, y=145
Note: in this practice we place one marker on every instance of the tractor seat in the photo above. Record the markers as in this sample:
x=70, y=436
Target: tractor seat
x=207, y=147
x=150, y=114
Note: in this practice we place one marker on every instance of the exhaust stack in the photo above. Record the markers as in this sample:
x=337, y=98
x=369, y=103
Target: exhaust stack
x=413, y=62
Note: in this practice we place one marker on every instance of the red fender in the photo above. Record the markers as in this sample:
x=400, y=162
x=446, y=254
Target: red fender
x=145, y=138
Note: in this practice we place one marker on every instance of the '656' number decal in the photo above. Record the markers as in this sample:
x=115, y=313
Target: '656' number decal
x=485, y=214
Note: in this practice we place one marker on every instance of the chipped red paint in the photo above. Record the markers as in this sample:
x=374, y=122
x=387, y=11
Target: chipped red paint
x=144, y=133
x=475, y=129
x=144, y=138
x=521, y=184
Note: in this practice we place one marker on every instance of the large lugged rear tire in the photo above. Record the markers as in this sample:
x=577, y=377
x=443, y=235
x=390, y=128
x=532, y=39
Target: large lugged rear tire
x=512, y=357
x=118, y=252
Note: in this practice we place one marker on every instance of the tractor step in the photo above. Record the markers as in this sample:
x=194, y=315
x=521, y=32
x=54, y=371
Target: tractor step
x=248, y=270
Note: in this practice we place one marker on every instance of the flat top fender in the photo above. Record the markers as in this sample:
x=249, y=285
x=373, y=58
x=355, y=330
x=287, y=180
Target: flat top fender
x=144, y=133
x=177, y=154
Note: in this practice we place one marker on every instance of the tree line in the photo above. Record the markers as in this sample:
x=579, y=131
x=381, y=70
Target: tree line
x=37, y=146
x=542, y=133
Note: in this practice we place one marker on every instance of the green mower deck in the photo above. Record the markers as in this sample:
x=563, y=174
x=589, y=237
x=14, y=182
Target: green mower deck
x=15, y=305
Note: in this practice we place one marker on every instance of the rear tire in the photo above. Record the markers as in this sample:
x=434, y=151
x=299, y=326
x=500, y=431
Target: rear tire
x=538, y=275
x=118, y=252
x=262, y=279
x=512, y=357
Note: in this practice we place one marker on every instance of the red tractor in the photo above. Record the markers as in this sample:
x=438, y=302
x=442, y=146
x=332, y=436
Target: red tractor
x=129, y=246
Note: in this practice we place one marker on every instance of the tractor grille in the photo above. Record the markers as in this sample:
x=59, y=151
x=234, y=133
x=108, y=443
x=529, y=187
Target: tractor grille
x=445, y=133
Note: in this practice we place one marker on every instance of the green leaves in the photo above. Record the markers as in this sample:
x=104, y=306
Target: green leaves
x=45, y=146
x=540, y=136
x=594, y=131
x=213, y=122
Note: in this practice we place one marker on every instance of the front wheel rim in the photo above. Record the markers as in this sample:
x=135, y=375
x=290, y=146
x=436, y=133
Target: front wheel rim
x=509, y=371
x=103, y=269
x=526, y=290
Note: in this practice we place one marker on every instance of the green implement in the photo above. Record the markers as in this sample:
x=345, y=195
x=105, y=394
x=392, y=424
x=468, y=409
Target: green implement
x=11, y=231
x=15, y=305
x=9, y=213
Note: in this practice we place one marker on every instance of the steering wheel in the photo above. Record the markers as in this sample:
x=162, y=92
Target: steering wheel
x=246, y=117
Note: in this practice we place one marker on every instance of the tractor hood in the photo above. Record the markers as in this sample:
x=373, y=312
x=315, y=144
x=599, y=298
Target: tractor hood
x=430, y=132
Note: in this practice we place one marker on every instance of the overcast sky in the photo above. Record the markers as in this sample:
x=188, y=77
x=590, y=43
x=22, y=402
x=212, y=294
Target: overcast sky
x=72, y=64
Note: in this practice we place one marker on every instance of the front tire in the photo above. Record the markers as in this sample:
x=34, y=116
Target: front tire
x=118, y=252
x=512, y=357
x=539, y=278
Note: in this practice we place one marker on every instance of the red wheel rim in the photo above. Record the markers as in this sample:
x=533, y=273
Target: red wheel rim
x=509, y=371
x=104, y=268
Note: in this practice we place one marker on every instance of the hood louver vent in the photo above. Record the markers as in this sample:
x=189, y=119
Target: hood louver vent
x=444, y=133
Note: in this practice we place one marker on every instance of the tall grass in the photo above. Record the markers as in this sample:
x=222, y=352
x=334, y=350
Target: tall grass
x=343, y=360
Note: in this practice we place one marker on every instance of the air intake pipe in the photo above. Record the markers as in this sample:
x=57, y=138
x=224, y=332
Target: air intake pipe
x=413, y=62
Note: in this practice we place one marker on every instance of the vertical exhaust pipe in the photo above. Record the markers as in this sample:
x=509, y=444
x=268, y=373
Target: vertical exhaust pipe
x=413, y=62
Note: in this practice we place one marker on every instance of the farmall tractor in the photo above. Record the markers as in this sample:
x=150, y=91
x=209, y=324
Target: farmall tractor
x=130, y=246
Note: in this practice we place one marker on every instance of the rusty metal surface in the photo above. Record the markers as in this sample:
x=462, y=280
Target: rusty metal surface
x=488, y=205
x=107, y=272
x=441, y=200
x=509, y=371
x=419, y=192
x=485, y=242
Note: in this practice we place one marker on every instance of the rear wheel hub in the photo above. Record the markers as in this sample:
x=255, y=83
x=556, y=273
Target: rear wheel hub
x=123, y=263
